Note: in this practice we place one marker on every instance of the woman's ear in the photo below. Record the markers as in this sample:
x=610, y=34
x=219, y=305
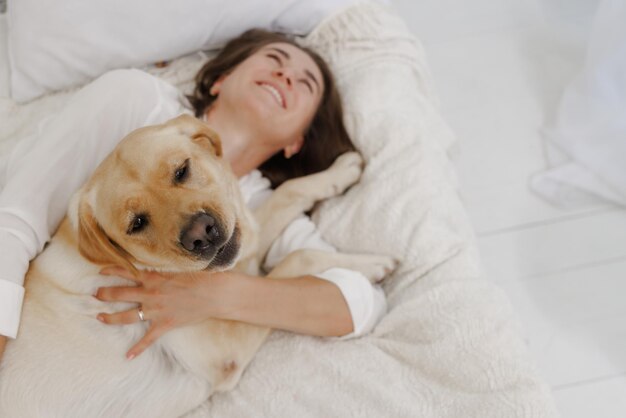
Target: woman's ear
x=217, y=85
x=293, y=148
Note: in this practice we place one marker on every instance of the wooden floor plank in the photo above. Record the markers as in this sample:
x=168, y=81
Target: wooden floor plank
x=555, y=247
x=600, y=399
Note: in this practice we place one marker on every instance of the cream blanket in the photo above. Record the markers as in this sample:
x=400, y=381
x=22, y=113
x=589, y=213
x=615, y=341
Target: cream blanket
x=449, y=345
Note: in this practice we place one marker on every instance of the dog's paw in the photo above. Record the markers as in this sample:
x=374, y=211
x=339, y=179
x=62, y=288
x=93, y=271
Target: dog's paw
x=344, y=172
x=377, y=267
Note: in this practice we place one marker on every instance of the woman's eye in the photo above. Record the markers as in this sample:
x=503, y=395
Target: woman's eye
x=275, y=58
x=308, y=85
x=138, y=224
x=182, y=172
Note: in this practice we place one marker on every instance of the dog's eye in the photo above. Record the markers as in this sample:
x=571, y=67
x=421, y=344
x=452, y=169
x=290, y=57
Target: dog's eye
x=139, y=223
x=182, y=172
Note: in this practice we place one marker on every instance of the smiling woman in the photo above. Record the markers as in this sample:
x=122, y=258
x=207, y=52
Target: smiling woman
x=271, y=61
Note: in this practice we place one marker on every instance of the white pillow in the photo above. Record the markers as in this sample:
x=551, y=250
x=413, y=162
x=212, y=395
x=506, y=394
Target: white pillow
x=59, y=44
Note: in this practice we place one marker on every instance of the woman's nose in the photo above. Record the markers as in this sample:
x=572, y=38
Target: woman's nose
x=286, y=74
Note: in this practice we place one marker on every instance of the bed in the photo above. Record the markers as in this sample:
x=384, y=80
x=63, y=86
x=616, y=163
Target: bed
x=449, y=345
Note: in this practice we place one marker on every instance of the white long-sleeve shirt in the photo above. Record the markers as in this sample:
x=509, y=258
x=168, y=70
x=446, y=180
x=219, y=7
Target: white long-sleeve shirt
x=44, y=170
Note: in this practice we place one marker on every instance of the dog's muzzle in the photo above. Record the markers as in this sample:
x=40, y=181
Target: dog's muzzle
x=205, y=237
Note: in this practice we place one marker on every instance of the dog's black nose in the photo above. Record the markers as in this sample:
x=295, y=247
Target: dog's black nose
x=202, y=234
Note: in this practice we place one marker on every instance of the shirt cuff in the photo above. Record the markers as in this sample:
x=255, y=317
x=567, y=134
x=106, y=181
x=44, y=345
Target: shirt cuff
x=13, y=266
x=14, y=257
x=11, y=298
x=367, y=303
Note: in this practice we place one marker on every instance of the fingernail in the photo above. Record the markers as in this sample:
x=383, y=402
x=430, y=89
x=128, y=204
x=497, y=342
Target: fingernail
x=100, y=318
x=130, y=356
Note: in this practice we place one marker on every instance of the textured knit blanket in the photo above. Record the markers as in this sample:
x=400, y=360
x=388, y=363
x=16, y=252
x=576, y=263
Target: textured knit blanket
x=449, y=345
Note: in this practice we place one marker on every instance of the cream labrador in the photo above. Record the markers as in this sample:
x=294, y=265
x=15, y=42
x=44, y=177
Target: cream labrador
x=162, y=200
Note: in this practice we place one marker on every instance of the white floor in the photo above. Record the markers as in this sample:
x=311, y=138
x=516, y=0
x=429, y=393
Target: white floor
x=500, y=66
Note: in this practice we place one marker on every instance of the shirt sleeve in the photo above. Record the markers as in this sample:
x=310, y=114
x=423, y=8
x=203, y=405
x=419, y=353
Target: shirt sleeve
x=45, y=169
x=366, y=302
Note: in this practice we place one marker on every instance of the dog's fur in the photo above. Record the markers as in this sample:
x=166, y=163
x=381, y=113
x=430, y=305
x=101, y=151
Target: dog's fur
x=67, y=364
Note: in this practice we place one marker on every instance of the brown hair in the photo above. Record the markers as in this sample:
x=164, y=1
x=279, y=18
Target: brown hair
x=326, y=137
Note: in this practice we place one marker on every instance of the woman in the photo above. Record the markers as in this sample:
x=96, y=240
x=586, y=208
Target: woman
x=276, y=108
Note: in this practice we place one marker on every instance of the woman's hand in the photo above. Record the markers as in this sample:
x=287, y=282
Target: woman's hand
x=304, y=304
x=167, y=301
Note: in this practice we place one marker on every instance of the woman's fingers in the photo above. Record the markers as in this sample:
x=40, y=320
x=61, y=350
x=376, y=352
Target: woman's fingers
x=130, y=317
x=151, y=336
x=159, y=295
x=120, y=318
x=120, y=294
x=121, y=272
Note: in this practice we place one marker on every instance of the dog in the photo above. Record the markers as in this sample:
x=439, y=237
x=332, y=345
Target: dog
x=163, y=200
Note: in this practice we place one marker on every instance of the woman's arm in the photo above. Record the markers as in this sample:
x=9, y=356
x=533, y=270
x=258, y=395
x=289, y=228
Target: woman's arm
x=306, y=304
x=366, y=302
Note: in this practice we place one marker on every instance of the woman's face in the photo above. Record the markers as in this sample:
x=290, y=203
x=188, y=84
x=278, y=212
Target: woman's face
x=277, y=91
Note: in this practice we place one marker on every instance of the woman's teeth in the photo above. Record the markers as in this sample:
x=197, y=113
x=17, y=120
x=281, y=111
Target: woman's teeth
x=275, y=93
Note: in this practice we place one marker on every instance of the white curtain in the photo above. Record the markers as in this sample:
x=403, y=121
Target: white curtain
x=588, y=139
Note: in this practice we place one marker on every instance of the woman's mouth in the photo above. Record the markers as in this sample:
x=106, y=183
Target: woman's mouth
x=275, y=93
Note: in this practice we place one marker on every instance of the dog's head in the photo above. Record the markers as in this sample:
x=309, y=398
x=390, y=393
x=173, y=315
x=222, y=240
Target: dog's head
x=164, y=199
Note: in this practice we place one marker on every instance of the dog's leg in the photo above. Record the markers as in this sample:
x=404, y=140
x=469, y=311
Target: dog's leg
x=297, y=196
x=303, y=262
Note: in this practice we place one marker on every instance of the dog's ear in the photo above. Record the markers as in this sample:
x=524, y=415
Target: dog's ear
x=199, y=132
x=208, y=138
x=95, y=245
